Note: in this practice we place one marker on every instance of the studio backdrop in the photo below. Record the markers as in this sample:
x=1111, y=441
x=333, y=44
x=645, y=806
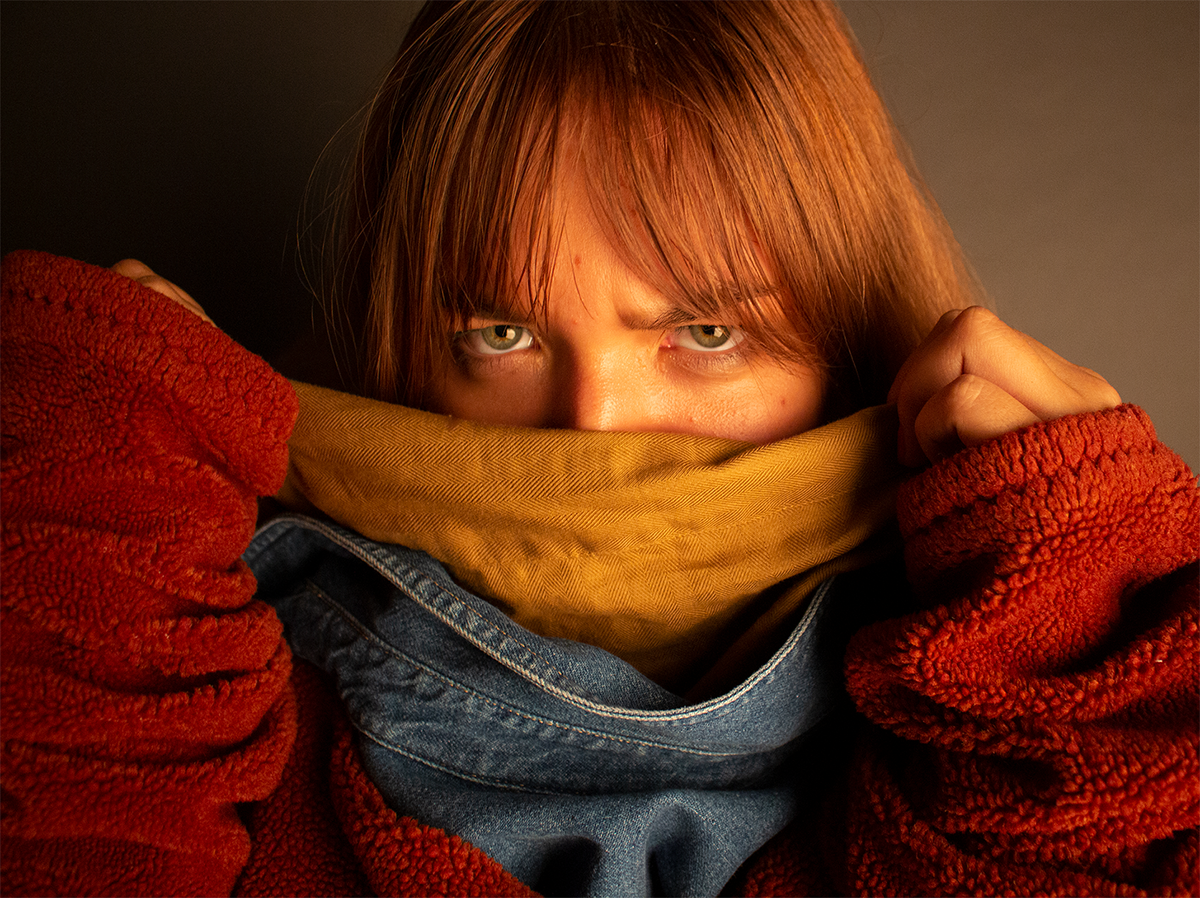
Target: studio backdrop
x=1061, y=138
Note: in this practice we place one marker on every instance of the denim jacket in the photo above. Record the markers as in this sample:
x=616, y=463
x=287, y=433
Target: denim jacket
x=562, y=762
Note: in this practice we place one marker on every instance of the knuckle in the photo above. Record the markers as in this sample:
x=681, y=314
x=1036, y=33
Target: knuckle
x=160, y=285
x=962, y=393
x=977, y=320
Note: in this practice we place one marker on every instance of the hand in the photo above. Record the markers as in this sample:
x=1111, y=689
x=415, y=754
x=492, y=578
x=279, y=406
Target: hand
x=974, y=378
x=135, y=270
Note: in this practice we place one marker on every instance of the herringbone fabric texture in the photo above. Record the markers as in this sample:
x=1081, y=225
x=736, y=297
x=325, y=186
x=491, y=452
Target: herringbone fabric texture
x=656, y=547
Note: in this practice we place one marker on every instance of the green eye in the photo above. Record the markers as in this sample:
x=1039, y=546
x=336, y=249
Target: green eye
x=497, y=339
x=708, y=337
x=501, y=337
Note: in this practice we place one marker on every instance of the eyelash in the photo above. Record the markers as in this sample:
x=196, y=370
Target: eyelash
x=473, y=351
x=734, y=334
x=475, y=340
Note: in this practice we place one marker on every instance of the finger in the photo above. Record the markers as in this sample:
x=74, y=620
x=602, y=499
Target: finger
x=144, y=275
x=914, y=361
x=966, y=412
x=132, y=269
x=974, y=341
x=937, y=362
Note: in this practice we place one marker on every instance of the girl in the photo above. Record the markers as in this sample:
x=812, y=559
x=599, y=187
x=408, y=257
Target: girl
x=637, y=305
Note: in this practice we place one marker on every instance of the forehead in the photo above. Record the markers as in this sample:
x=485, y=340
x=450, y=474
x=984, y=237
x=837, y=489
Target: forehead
x=646, y=188
x=588, y=277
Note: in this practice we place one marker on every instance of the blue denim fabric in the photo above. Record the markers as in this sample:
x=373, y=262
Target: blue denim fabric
x=560, y=761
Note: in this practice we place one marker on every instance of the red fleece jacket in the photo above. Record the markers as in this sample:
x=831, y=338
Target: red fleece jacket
x=1033, y=729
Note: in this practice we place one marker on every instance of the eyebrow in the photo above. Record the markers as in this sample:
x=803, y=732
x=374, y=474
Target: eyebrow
x=670, y=316
x=674, y=316
x=665, y=320
x=500, y=311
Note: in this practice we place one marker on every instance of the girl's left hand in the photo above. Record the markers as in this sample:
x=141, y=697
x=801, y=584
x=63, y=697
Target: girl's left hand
x=974, y=378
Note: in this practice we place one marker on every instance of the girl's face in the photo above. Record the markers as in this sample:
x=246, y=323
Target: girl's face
x=609, y=352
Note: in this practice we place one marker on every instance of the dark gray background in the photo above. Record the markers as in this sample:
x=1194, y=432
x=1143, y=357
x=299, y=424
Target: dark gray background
x=1062, y=139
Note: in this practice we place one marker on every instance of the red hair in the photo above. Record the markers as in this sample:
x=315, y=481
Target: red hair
x=737, y=152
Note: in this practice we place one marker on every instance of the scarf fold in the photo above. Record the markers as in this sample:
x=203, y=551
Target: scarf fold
x=689, y=557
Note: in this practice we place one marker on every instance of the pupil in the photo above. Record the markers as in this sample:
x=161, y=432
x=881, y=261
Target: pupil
x=501, y=336
x=710, y=336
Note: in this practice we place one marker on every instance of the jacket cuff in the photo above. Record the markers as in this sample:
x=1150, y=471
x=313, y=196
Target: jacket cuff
x=1103, y=474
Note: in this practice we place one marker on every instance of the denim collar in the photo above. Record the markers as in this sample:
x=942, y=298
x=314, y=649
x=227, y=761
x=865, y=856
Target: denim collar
x=561, y=762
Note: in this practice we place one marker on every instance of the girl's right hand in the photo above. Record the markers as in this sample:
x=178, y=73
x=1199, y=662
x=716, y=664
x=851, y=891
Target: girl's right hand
x=137, y=271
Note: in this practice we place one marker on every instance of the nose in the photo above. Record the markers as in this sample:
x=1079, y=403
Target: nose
x=606, y=392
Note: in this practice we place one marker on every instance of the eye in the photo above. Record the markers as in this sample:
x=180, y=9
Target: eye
x=708, y=337
x=496, y=339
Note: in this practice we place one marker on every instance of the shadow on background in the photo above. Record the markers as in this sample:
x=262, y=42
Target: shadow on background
x=183, y=134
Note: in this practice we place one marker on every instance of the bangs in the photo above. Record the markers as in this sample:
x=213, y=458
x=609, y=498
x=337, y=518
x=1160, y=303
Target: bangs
x=679, y=202
x=735, y=156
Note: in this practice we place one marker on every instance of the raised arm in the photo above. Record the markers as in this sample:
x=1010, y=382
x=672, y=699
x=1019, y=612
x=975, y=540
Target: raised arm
x=144, y=693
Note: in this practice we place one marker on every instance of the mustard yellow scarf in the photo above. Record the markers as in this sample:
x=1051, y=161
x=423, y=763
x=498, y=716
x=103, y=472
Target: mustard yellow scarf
x=686, y=556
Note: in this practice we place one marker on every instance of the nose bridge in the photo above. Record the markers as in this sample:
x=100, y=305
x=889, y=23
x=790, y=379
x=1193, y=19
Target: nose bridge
x=602, y=390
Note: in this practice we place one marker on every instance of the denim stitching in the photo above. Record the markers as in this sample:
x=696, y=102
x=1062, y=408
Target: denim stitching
x=705, y=708
x=419, y=578
x=367, y=553
x=391, y=650
x=374, y=558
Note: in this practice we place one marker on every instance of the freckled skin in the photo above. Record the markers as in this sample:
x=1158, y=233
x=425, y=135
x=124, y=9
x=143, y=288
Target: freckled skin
x=598, y=361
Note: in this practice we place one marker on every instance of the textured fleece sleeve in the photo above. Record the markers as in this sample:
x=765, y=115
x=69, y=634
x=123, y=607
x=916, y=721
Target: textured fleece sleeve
x=144, y=692
x=1035, y=724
